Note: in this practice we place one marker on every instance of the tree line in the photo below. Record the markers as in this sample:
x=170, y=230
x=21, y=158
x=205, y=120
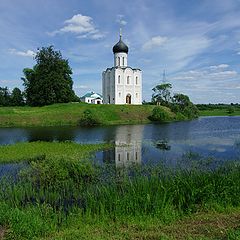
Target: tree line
x=48, y=82
x=11, y=98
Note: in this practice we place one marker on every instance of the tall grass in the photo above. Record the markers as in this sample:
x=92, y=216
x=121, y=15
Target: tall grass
x=56, y=194
x=59, y=187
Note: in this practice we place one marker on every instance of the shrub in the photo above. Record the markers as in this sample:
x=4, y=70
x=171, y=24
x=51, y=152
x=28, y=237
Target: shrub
x=158, y=114
x=88, y=119
x=230, y=110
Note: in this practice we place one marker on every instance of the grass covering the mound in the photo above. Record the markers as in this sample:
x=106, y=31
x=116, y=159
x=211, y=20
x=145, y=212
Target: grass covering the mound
x=71, y=114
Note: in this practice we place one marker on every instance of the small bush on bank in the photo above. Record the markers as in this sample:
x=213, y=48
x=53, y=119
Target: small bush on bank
x=89, y=119
x=159, y=115
x=230, y=110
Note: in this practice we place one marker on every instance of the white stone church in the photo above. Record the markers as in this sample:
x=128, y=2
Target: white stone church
x=121, y=84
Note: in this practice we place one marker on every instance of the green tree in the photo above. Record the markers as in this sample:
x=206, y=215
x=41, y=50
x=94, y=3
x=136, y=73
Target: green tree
x=181, y=100
x=50, y=79
x=162, y=94
x=5, y=99
x=230, y=109
x=17, y=97
x=181, y=103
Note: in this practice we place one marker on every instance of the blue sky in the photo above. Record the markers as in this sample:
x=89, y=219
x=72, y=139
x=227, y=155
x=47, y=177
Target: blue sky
x=196, y=42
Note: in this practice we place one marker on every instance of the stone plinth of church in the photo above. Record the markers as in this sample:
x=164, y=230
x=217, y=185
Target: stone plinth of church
x=122, y=84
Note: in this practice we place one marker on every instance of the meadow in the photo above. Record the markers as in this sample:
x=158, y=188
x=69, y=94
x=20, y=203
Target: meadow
x=70, y=114
x=73, y=114
x=219, y=112
x=219, y=109
x=62, y=194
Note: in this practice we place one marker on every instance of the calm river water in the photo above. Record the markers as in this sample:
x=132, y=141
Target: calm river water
x=206, y=137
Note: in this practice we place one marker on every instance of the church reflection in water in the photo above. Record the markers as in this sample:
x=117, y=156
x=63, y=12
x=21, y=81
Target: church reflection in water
x=128, y=147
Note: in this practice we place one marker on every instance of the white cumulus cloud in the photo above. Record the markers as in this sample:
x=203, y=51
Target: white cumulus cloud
x=28, y=53
x=81, y=25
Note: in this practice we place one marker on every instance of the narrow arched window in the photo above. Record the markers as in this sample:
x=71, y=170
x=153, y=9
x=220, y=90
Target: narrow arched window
x=119, y=79
x=118, y=61
x=123, y=61
x=136, y=80
x=128, y=80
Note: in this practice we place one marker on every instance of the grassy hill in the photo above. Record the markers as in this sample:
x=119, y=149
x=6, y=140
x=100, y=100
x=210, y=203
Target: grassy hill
x=71, y=113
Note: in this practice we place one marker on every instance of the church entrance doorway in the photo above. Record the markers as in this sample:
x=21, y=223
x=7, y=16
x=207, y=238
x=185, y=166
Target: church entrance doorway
x=128, y=99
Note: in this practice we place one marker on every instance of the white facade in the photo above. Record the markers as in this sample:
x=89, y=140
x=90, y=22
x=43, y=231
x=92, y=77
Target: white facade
x=122, y=84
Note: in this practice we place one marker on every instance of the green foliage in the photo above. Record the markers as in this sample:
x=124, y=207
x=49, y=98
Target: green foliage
x=64, y=192
x=230, y=110
x=89, y=119
x=182, y=104
x=50, y=79
x=14, y=98
x=5, y=97
x=159, y=115
x=17, y=97
x=162, y=94
x=57, y=172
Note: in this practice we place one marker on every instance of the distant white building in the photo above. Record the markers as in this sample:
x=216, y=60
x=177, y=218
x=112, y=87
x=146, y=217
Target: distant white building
x=92, y=98
x=122, y=84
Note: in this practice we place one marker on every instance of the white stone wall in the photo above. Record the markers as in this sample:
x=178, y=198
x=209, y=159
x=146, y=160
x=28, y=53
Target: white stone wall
x=120, y=82
x=120, y=60
x=130, y=83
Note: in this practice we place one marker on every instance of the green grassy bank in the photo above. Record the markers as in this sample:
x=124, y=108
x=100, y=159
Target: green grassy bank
x=219, y=109
x=71, y=114
x=63, y=195
x=219, y=112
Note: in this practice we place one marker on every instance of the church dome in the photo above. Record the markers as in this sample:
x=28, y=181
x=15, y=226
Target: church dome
x=120, y=47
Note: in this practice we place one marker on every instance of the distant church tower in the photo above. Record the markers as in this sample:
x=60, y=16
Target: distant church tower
x=121, y=84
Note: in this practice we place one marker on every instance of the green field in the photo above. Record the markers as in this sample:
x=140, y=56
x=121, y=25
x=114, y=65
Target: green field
x=219, y=112
x=71, y=113
x=62, y=194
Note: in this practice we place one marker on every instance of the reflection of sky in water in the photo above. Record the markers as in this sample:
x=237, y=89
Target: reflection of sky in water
x=217, y=137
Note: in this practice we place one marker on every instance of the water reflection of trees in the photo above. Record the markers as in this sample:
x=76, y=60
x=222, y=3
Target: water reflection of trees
x=51, y=134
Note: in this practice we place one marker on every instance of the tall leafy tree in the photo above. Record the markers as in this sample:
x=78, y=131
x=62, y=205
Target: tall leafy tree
x=5, y=99
x=183, y=104
x=17, y=97
x=162, y=94
x=50, y=79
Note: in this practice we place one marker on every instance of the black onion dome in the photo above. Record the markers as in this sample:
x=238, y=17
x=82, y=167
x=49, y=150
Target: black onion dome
x=120, y=47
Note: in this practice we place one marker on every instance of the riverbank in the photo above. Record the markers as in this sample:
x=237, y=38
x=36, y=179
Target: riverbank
x=219, y=112
x=62, y=195
x=70, y=114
